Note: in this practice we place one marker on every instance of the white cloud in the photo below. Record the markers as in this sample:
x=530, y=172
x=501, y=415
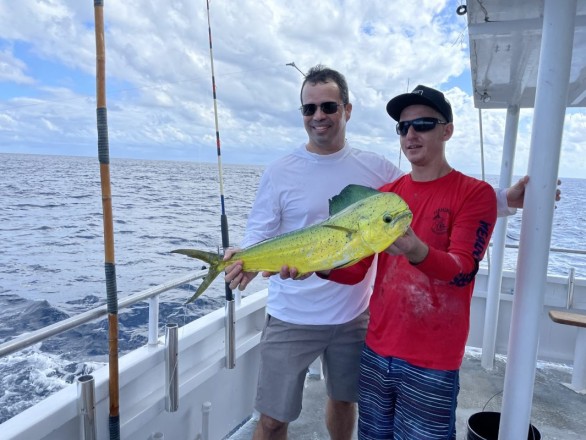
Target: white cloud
x=159, y=92
x=12, y=70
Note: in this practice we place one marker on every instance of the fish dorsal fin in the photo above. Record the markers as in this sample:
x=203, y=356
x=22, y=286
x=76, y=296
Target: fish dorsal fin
x=349, y=195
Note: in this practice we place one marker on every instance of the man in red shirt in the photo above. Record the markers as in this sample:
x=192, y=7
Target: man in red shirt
x=420, y=305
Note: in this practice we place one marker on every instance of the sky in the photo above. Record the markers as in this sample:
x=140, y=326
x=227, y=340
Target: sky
x=159, y=83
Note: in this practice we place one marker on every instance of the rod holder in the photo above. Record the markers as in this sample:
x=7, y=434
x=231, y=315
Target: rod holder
x=86, y=398
x=171, y=367
x=230, y=324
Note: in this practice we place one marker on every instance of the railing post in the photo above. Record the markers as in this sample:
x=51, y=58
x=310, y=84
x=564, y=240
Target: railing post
x=172, y=367
x=571, y=282
x=205, y=420
x=87, y=407
x=154, y=320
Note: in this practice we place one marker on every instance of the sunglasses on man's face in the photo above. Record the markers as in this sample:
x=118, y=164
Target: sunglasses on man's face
x=329, y=108
x=419, y=125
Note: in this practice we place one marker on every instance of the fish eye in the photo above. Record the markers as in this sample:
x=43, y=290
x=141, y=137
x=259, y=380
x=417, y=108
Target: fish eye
x=387, y=218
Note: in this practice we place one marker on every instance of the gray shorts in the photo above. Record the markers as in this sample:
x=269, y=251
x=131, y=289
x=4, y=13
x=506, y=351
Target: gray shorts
x=287, y=350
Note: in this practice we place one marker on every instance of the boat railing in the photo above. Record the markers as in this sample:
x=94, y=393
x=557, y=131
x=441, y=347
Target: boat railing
x=571, y=271
x=552, y=249
x=152, y=295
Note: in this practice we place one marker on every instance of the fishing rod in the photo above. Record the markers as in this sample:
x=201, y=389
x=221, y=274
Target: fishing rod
x=230, y=305
x=109, y=264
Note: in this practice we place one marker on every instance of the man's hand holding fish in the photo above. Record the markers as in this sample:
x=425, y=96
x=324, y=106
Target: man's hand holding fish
x=234, y=273
x=409, y=245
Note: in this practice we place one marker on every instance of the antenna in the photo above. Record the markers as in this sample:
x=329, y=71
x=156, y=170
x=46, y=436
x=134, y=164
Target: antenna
x=292, y=64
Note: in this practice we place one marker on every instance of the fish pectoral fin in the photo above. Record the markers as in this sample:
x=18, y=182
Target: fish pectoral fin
x=341, y=229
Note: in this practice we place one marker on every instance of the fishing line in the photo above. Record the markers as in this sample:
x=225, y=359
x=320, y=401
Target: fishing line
x=482, y=169
x=400, y=149
x=110, y=266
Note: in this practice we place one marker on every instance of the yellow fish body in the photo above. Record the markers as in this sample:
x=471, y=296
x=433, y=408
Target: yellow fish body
x=362, y=222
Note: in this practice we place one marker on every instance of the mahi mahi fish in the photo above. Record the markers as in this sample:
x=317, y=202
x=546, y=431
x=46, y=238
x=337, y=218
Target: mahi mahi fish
x=362, y=222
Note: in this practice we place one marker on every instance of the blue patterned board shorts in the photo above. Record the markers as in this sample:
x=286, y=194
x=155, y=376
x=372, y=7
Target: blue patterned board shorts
x=399, y=401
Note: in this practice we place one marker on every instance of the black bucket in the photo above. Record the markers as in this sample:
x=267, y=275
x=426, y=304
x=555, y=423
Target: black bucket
x=485, y=426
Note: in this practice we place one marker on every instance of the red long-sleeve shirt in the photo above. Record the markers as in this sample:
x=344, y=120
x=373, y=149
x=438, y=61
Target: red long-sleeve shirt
x=421, y=312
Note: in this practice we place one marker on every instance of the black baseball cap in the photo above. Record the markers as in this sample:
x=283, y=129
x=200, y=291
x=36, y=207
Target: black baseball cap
x=420, y=95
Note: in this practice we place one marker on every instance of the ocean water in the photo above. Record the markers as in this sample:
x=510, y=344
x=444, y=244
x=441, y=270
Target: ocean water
x=52, y=257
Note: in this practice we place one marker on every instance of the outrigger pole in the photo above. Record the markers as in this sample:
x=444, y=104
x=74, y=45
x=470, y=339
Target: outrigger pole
x=230, y=306
x=110, y=267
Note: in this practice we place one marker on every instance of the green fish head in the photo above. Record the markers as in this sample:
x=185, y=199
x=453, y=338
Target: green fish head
x=388, y=219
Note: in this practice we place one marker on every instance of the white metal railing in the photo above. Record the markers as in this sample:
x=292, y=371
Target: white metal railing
x=553, y=249
x=28, y=339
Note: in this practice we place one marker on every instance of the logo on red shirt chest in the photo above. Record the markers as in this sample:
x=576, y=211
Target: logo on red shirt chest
x=441, y=221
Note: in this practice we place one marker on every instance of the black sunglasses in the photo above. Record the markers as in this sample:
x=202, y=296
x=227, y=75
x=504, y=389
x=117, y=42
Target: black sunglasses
x=419, y=125
x=329, y=108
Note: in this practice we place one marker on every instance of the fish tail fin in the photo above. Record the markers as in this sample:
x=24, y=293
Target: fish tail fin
x=214, y=269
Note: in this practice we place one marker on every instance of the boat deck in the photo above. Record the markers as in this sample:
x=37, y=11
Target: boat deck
x=558, y=413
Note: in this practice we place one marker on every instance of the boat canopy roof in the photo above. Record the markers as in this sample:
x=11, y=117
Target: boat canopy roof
x=505, y=40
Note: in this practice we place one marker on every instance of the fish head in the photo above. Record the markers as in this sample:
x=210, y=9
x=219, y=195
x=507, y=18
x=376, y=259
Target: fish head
x=385, y=218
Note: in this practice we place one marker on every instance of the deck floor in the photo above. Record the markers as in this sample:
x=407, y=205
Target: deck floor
x=558, y=412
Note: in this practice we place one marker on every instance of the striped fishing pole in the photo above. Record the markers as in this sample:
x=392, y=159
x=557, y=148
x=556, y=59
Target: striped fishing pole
x=230, y=305
x=110, y=267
